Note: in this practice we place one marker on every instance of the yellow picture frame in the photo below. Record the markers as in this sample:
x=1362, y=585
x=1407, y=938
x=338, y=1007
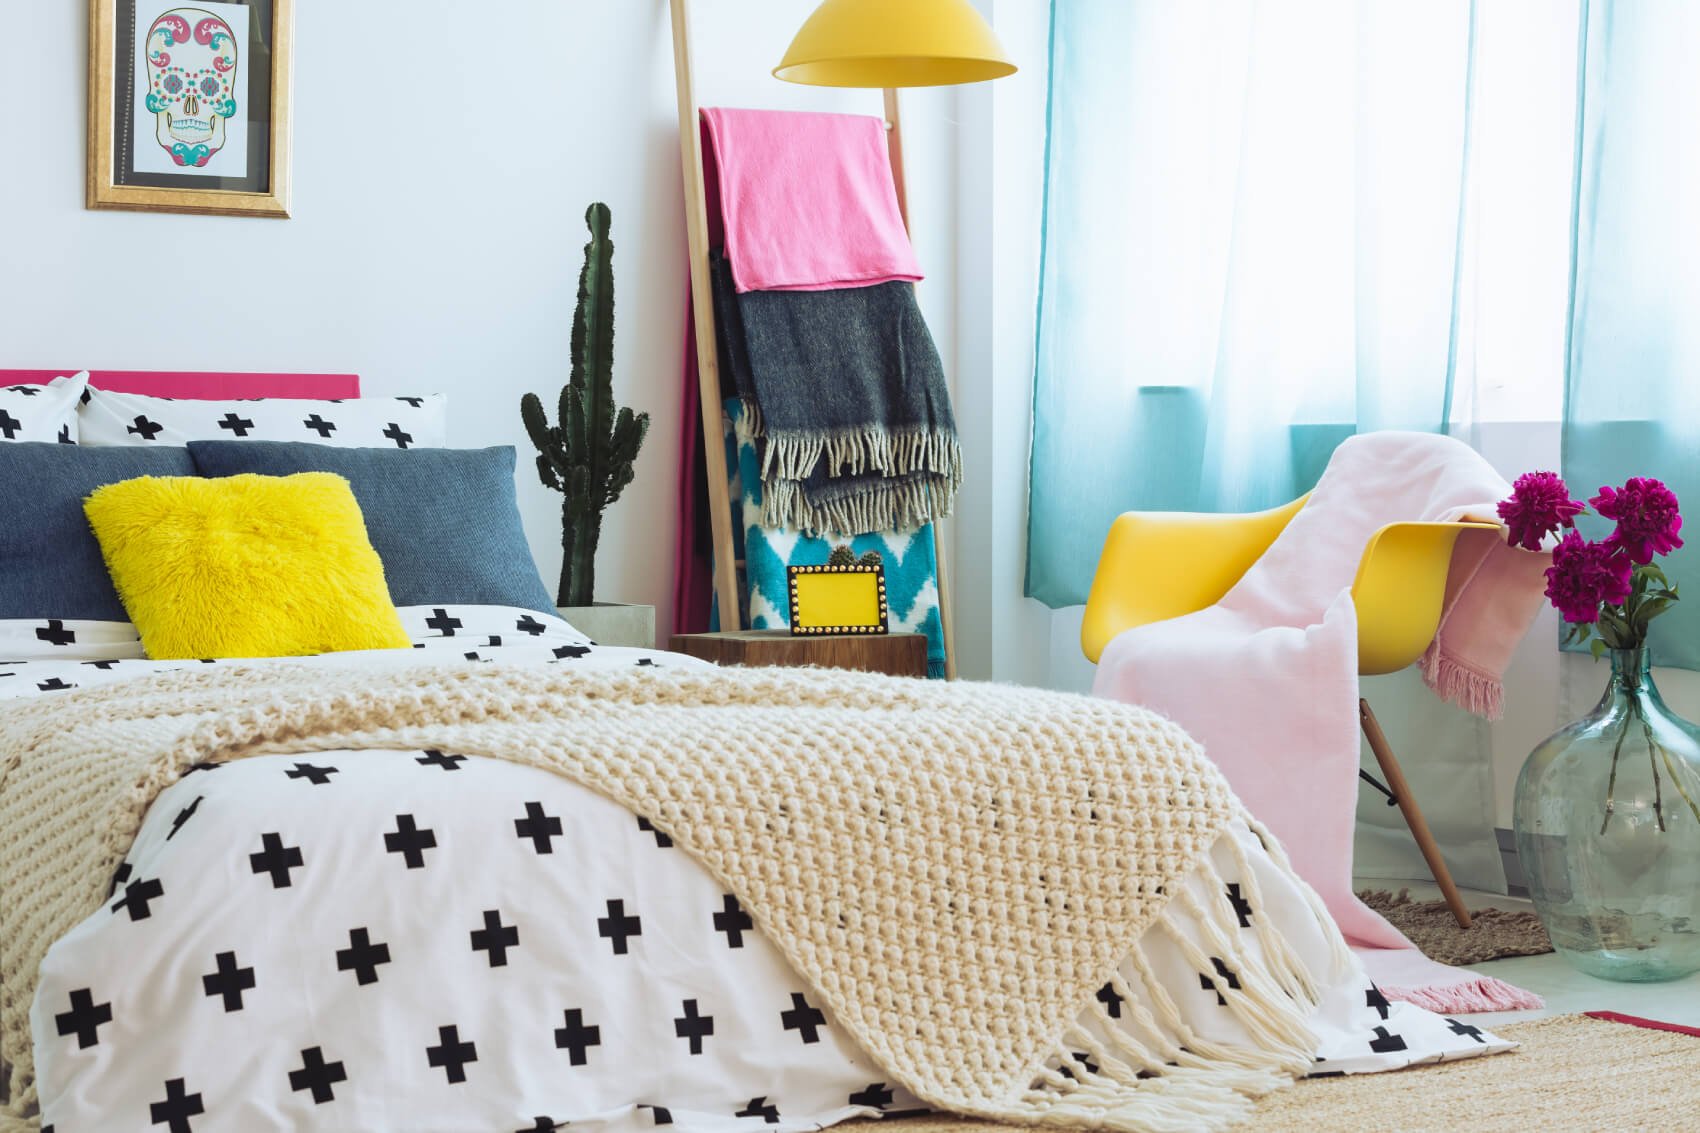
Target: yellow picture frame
x=114, y=118
x=838, y=599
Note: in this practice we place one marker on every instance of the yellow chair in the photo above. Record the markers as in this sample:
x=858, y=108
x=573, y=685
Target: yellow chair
x=1160, y=565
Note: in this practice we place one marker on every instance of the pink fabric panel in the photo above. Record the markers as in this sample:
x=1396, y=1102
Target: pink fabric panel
x=693, y=556
x=808, y=200
x=200, y=386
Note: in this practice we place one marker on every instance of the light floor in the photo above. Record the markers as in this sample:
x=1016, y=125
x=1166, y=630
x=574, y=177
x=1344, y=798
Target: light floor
x=1564, y=988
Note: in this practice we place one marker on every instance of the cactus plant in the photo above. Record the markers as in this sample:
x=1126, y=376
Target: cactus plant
x=844, y=556
x=587, y=454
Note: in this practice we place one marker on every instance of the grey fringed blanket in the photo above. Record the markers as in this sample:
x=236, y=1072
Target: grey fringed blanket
x=848, y=402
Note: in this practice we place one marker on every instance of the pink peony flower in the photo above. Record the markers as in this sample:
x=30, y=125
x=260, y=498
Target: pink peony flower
x=1540, y=504
x=1584, y=574
x=1647, y=518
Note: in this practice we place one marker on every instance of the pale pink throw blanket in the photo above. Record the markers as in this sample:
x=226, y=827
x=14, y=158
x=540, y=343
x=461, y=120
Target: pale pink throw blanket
x=1267, y=679
x=807, y=200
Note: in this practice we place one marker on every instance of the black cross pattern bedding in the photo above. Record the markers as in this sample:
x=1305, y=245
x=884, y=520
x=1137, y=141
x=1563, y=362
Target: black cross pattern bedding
x=424, y=940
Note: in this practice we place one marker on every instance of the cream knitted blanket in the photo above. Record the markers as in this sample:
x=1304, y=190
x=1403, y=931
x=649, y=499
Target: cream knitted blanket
x=956, y=869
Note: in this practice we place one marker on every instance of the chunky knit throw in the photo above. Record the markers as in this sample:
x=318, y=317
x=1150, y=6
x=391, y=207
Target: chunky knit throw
x=956, y=869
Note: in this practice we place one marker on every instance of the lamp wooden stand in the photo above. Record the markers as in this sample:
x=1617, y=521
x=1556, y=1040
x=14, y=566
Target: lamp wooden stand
x=708, y=362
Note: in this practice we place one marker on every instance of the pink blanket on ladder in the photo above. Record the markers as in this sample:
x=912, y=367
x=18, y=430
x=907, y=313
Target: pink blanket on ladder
x=1267, y=680
x=807, y=200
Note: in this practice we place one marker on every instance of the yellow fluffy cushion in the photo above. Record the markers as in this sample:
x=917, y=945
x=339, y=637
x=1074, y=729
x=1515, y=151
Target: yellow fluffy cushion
x=244, y=566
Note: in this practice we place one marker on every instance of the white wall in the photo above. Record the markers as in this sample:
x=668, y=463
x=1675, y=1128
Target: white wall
x=444, y=156
x=1000, y=634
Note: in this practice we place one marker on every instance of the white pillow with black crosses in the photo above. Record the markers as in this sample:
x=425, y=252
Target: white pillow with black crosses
x=67, y=639
x=42, y=413
x=109, y=418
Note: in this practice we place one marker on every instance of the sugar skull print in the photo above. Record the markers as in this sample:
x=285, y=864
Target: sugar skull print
x=193, y=68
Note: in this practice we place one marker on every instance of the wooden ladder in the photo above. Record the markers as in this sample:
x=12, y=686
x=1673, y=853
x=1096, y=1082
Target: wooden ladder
x=708, y=361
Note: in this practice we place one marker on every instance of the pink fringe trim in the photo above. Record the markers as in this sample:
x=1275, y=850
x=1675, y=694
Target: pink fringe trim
x=1481, y=994
x=1469, y=689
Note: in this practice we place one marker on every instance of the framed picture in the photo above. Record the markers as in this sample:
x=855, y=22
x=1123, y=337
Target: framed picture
x=837, y=599
x=189, y=106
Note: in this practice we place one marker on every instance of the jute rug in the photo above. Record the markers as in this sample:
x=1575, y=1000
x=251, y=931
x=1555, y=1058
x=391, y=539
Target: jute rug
x=1573, y=1073
x=1493, y=933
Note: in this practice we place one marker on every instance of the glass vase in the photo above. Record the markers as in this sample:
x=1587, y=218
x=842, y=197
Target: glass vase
x=1608, y=832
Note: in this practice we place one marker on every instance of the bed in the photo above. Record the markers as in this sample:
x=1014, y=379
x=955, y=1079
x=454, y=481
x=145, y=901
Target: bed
x=378, y=935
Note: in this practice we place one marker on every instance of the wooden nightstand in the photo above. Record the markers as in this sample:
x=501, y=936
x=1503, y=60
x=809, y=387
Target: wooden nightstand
x=897, y=654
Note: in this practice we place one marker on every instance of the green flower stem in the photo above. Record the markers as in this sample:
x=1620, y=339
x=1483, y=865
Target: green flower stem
x=1676, y=782
x=1611, y=784
x=1653, y=762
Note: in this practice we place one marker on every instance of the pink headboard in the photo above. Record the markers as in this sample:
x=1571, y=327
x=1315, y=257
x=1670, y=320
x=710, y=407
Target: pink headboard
x=205, y=387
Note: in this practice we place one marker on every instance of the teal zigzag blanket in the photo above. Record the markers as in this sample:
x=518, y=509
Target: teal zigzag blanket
x=911, y=572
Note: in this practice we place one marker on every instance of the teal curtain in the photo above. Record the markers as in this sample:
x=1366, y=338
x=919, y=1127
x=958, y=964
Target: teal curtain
x=1252, y=222
x=1632, y=391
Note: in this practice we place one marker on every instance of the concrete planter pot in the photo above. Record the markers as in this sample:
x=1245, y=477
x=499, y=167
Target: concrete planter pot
x=613, y=623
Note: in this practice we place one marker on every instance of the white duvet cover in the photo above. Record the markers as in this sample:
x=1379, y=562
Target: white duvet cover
x=418, y=941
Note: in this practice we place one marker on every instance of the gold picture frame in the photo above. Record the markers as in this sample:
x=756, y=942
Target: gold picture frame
x=838, y=599
x=155, y=142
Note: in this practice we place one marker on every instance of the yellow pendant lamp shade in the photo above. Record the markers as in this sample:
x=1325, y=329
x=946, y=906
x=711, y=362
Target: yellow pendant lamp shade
x=894, y=43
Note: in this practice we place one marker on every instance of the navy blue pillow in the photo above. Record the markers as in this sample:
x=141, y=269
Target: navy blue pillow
x=443, y=520
x=50, y=563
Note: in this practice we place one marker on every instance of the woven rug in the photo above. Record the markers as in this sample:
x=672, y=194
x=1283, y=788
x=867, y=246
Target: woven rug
x=1572, y=1073
x=1493, y=933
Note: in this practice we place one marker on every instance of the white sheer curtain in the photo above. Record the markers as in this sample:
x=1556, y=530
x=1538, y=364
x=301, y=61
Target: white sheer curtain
x=1508, y=395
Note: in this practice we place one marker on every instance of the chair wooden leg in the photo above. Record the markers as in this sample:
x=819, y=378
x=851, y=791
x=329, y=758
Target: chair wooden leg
x=1413, y=815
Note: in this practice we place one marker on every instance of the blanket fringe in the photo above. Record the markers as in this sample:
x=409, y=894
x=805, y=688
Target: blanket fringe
x=1482, y=994
x=861, y=452
x=1145, y=1070
x=1474, y=691
x=792, y=454
x=1284, y=964
x=1164, y=1107
x=898, y=504
x=882, y=481
x=20, y=1109
x=1340, y=959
